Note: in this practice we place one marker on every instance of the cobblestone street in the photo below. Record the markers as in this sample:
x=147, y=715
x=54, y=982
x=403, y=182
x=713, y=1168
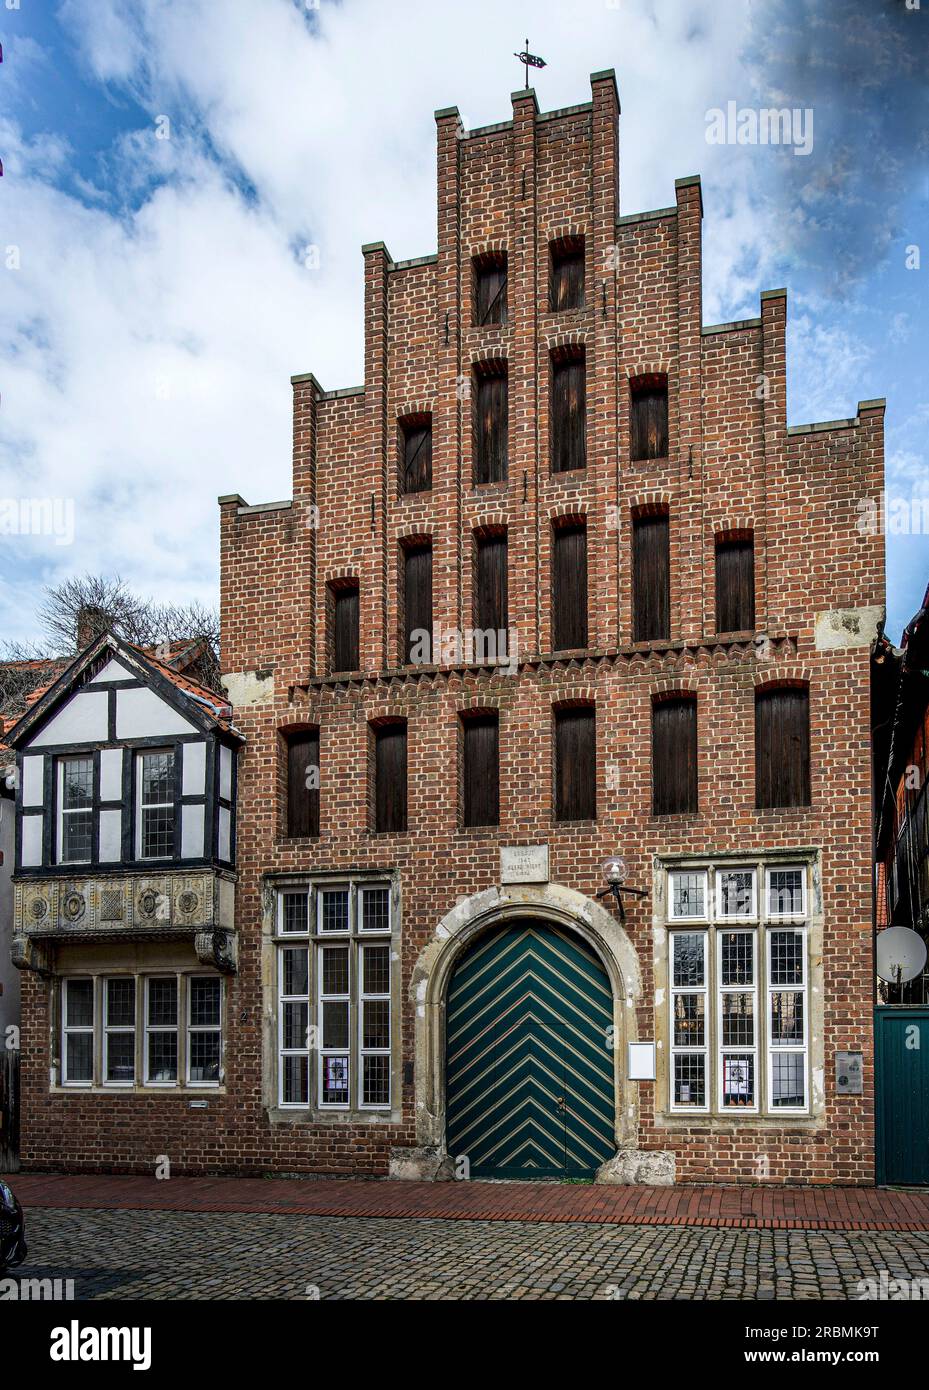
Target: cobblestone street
x=120, y=1254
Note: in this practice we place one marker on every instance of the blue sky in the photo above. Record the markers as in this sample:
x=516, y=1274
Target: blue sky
x=160, y=297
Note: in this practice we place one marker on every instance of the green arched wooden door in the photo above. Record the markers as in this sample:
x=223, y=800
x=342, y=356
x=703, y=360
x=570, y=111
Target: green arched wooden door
x=529, y=1069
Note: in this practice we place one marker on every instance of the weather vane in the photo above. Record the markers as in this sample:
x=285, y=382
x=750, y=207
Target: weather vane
x=529, y=60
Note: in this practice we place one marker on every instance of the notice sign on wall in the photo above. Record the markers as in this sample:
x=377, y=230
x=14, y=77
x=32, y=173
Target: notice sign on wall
x=848, y=1073
x=524, y=863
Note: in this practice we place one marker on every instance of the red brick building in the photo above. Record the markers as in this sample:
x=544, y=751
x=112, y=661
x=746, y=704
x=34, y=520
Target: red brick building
x=550, y=444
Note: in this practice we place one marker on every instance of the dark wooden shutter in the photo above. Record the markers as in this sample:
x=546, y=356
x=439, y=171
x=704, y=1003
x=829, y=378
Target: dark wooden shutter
x=345, y=628
x=302, y=800
x=490, y=584
x=390, y=777
x=569, y=588
x=735, y=585
x=575, y=764
x=569, y=414
x=650, y=422
x=651, y=579
x=782, y=747
x=567, y=286
x=674, y=757
x=416, y=443
x=417, y=596
x=491, y=428
x=481, y=769
x=490, y=291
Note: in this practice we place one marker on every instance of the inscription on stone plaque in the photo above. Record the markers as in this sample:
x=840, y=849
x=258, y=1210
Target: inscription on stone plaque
x=524, y=864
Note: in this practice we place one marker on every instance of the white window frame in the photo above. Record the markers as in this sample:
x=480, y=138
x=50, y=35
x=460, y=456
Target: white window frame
x=341, y=943
x=150, y=1028
x=734, y=1052
x=726, y=917
x=367, y=997
x=108, y=1028
x=140, y=810
x=191, y=1028
x=362, y=891
x=804, y=892
x=673, y=875
x=292, y=941
x=281, y=929
x=773, y=1049
x=322, y=890
x=61, y=764
x=682, y=1050
x=83, y=1083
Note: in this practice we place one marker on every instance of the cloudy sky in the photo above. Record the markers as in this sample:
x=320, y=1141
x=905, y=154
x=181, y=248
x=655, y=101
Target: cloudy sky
x=157, y=294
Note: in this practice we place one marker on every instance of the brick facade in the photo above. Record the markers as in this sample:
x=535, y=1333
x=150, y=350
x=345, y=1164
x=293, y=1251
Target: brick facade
x=733, y=465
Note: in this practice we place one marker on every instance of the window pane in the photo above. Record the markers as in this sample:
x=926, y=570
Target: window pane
x=375, y=1023
x=786, y=1017
x=120, y=1003
x=335, y=970
x=738, y=1020
x=334, y=911
x=335, y=1080
x=736, y=893
x=77, y=784
x=204, y=1002
x=296, y=1074
x=688, y=895
x=162, y=1056
x=295, y=917
x=162, y=1002
x=375, y=909
x=788, y=1079
x=689, y=1020
x=158, y=832
x=786, y=958
x=204, y=1056
x=80, y=1056
x=738, y=1081
x=690, y=1080
x=737, y=959
x=157, y=777
x=120, y=1057
x=77, y=836
x=375, y=1080
x=785, y=892
x=376, y=978
x=335, y=1023
x=689, y=958
x=295, y=1021
x=295, y=970
x=79, y=1003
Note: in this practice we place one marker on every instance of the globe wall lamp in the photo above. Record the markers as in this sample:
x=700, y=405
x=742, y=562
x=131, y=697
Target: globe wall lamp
x=614, y=871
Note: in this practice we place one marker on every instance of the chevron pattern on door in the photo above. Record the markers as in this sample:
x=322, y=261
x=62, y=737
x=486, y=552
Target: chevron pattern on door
x=529, y=1075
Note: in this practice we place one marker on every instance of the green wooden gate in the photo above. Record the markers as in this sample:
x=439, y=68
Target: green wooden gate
x=902, y=1095
x=529, y=1070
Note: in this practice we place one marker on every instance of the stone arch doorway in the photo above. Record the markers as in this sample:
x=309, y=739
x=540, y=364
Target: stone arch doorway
x=554, y=906
x=529, y=1055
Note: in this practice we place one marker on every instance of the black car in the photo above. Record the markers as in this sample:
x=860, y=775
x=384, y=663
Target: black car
x=12, y=1229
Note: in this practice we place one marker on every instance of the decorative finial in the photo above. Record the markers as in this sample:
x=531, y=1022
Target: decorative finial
x=529, y=60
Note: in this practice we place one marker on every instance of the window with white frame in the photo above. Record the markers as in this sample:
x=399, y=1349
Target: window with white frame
x=75, y=810
x=141, y=1030
x=745, y=952
x=334, y=995
x=155, y=813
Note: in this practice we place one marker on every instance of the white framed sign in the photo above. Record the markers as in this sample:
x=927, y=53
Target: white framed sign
x=640, y=1064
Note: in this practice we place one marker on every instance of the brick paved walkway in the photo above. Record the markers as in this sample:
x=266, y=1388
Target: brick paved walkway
x=806, y=1208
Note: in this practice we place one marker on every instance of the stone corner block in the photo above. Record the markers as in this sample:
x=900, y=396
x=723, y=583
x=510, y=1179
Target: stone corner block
x=643, y=1167
x=420, y=1165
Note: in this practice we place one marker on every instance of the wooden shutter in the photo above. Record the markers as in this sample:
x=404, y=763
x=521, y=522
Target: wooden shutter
x=481, y=769
x=649, y=422
x=567, y=286
x=490, y=291
x=782, y=747
x=490, y=584
x=575, y=764
x=345, y=628
x=416, y=443
x=302, y=800
x=569, y=588
x=735, y=585
x=491, y=428
x=569, y=414
x=390, y=777
x=674, y=757
x=651, y=580
x=417, y=595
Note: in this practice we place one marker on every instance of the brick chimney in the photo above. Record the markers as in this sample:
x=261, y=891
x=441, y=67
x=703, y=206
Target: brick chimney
x=91, y=622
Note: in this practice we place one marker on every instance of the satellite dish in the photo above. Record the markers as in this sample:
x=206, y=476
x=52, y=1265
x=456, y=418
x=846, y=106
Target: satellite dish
x=901, y=955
